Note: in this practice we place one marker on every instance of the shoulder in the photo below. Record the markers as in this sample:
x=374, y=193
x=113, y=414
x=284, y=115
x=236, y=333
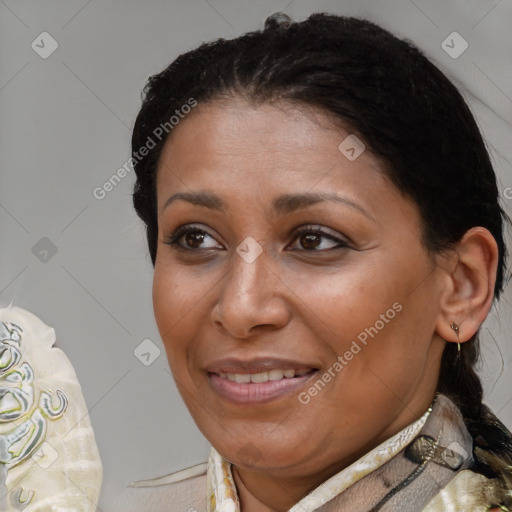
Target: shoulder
x=466, y=492
x=183, y=491
x=486, y=486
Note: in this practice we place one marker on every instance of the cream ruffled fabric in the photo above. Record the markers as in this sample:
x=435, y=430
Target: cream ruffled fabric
x=222, y=490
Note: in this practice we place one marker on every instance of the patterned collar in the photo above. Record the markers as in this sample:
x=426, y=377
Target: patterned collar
x=223, y=497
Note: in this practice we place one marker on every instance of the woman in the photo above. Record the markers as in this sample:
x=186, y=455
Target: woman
x=323, y=220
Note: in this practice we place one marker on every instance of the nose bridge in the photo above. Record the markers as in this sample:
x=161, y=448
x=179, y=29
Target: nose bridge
x=247, y=277
x=250, y=292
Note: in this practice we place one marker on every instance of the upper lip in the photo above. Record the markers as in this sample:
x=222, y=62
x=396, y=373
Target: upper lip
x=255, y=365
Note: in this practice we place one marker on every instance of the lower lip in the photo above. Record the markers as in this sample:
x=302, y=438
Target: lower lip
x=252, y=393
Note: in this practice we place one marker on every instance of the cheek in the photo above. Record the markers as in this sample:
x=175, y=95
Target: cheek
x=375, y=310
x=341, y=305
x=175, y=295
x=173, y=307
x=181, y=305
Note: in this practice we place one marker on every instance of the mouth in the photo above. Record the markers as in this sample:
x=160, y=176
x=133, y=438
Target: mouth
x=258, y=387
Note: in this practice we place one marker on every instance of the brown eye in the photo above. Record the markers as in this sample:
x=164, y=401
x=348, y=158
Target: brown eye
x=315, y=239
x=310, y=241
x=194, y=239
x=191, y=238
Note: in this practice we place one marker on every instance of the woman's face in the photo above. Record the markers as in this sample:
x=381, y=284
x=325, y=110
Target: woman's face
x=348, y=307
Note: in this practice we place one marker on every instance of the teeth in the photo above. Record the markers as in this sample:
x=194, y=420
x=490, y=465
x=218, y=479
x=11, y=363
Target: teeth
x=259, y=377
x=278, y=374
x=243, y=378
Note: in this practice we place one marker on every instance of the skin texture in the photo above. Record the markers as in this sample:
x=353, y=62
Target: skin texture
x=302, y=298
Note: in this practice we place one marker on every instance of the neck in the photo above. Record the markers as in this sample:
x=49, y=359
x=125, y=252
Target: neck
x=263, y=493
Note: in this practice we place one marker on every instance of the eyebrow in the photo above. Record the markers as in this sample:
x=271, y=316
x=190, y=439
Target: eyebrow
x=282, y=205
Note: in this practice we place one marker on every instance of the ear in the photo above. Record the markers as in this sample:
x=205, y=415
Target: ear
x=469, y=290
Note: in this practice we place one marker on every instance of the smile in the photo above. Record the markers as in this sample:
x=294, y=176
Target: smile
x=258, y=388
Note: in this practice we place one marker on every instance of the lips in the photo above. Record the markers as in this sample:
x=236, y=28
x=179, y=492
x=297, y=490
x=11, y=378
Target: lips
x=257, y=381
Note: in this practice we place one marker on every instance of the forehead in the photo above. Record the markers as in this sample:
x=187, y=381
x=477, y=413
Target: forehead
x=228, y=127
x=234, y=147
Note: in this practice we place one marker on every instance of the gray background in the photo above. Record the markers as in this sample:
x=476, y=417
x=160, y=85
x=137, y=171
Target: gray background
x=65, y=128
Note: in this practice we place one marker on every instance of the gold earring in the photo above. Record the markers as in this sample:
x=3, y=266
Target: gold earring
x=455, y=328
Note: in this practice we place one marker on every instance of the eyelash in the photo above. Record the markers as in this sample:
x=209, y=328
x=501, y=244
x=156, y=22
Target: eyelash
x=173, y=240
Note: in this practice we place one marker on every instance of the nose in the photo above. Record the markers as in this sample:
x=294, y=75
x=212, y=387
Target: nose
x=251, y=297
